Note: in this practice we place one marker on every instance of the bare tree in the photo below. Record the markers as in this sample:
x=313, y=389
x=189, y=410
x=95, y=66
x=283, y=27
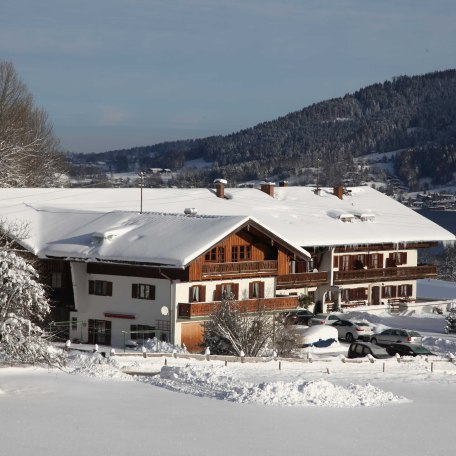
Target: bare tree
x=30, y=154
x=231, y=330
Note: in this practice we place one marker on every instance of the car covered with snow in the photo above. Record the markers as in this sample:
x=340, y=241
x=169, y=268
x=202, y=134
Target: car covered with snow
x=315, y=336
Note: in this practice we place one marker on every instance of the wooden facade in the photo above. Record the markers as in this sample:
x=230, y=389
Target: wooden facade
x=247, y=253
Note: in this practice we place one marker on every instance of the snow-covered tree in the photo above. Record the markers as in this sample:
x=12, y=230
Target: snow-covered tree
x=23, y=305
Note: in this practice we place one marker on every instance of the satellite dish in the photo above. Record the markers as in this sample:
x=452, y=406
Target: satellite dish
x=164, y=310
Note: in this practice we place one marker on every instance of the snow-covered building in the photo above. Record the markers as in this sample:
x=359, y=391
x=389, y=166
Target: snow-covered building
x=119, y=273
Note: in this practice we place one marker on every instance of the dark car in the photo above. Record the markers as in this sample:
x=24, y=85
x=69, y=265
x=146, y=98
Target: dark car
x=298, y=317
x=362, y=349
x=408, y=350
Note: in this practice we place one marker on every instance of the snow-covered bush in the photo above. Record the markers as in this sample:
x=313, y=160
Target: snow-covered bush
x=23, y=304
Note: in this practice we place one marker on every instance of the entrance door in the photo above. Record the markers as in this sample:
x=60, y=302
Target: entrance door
x=100, y=332
x=375, y=299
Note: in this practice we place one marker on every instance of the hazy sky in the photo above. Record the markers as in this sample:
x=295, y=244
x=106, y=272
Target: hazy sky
x=123, y=73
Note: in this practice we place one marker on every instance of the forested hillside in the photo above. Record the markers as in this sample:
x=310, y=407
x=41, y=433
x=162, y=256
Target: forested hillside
x=415, y=113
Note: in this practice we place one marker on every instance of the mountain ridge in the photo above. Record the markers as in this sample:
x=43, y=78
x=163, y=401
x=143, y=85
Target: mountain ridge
x=416, y=113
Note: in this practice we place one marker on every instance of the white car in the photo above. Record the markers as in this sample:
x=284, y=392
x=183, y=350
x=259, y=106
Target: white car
x=353, y=330
x=323, y=319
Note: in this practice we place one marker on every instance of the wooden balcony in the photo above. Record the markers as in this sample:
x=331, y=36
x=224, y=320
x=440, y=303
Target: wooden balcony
x=240, y=268
x=302, y=280
x=203, y=309
x=385, y=274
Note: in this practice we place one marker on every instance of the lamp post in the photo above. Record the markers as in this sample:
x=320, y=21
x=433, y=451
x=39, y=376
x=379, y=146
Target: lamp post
x=141, y=176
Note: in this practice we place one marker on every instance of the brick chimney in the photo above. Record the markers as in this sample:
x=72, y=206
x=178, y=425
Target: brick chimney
x=220, y=187
x=268, y=188
x=339, y=191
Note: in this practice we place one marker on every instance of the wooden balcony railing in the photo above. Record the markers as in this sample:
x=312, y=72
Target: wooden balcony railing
x=385, y=274
x=242, y=267
x=203, y=309
x=301, y=280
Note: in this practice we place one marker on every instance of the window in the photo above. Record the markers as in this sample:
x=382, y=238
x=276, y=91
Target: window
x=389, y=291
x=197, y=293
x=241, y=253
x=345, y=295
x=256, y=290
x=344, y=262
x=225, y=289
x=215, y=255
x=143, y=291
x=56, y=280
x=357, y=294
x=376, y=261
x=404, y=291
x=74, y=323
x=142, y=332
x=358, y=261
x=100, y=287
x=397, y=258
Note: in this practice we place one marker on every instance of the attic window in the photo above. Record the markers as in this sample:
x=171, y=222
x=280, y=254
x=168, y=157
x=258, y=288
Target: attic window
x=346, y=217
x=368, y=217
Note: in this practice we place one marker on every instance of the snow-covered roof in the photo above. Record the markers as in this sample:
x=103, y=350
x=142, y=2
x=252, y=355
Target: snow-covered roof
x=168, y=240
x=296, y=214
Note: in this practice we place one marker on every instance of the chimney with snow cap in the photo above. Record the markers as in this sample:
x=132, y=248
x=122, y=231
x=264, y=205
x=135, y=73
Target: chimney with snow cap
x=220, y=187
x=268, y=188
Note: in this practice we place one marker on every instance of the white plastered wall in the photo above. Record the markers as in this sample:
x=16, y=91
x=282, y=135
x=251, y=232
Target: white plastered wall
x=145, y=311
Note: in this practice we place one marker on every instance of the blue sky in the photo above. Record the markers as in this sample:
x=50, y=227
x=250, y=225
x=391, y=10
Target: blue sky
x=117, y=74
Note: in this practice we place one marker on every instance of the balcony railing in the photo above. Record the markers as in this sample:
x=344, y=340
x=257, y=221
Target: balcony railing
x=242, y=267
x=203, y=309
x=385, y=274
x=301, y=280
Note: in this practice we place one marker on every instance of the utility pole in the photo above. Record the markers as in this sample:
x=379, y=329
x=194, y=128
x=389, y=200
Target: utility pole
x=141, y=176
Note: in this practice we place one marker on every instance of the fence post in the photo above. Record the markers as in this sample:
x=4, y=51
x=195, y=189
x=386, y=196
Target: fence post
x=384, y=367
x=432, y=367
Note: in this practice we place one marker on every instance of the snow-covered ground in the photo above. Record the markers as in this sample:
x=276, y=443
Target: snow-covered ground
x=199, y=407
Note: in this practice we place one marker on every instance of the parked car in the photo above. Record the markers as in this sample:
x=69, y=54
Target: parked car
x=408, y=350
x=316, y=336
x=298, y=317
x=390, y=336
x=351, y=331
x=362, y=349
x=323, y=319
